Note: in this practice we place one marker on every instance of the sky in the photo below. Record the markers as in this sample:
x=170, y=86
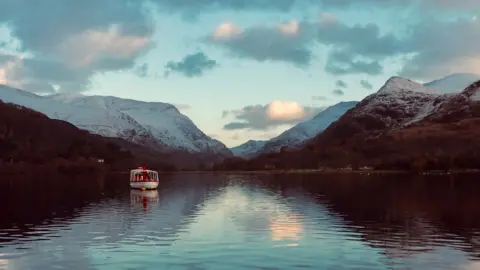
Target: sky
x=240, y=69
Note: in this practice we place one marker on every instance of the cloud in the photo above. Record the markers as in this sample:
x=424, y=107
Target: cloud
x=341, y=84
x=265, y=117
x=452, y=47
x=281, y=43
x=341, y=63
x=365, y=84
x=193, y=65
x=182, y=107
x=207, y=6
x=319, y=98
x=338, y=92
x=142, y=70
x=83, y=39
x=235, y=137
x=10, y=69
x=353, y=49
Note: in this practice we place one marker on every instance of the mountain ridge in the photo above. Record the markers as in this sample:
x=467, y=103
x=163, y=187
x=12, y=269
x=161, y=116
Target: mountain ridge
x=407, y=127
x=297, y=135
x=158, y=125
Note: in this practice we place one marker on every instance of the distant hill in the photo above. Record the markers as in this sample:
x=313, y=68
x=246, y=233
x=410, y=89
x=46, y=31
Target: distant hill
x=297, y=135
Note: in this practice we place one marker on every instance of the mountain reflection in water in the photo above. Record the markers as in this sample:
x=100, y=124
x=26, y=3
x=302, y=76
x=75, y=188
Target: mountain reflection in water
x=244, y=222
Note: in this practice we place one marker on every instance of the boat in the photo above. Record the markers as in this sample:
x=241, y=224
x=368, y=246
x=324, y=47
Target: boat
x=142, y=178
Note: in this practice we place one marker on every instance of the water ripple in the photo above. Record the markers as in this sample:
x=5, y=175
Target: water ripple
x=256, y=222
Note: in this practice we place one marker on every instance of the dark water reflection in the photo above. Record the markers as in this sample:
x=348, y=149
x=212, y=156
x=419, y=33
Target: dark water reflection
x=244, y=222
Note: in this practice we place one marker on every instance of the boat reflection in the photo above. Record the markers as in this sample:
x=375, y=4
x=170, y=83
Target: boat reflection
x=143, y=198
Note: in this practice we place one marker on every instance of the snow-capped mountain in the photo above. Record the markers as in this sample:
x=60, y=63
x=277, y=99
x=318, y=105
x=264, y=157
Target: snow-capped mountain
x=297, y=135
x=454, y=83
x=154, y=124
x=398, y=104
x=248, y=149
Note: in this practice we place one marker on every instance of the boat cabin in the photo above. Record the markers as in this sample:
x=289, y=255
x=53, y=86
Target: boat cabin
x=143, y=175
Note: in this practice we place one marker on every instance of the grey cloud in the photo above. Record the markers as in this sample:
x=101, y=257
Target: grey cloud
x=255, y=117
x=267, y=44
x=142, y=70
x=193, y=65
x=431, y=48
x=236, y=125
x=182, y=106
x=235, y=137
x=193, y=8
x=354, y=49
x=339, y=63
x=443, y=48
x=338, y=92
x=341, y=84
x=365, y=84
x=319, y=98
x=54, y=33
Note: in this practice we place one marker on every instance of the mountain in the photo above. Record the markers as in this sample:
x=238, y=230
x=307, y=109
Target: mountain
x=297, y=135
x=304, y=131
x=454, y=83
x=248, y=149
x=30, y=137
x=405, y=125
x=157, y=125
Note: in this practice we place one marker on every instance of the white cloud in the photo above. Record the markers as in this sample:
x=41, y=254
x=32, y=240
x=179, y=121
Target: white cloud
x=10, y=71
x=82, y=49
x=285, y=111
x=269, y=116
x=290, y=28
x=226, y=31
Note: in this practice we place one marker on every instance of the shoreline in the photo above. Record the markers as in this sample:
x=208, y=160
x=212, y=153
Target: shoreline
x=363, y=172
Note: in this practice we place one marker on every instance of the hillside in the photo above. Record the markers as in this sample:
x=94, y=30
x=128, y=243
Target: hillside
x=248, y=149
x=27, y=136
x=404, y=126
x=157, y=125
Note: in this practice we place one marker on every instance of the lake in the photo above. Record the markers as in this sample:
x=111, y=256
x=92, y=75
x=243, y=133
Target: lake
x=227, y=222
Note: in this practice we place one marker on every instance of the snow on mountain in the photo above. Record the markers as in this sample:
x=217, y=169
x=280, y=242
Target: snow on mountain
x=153, y=124
x=400, y=102
x=248, y=149
x=454, y=83
x=399, y=84
x=297, y=135
x=301, y=132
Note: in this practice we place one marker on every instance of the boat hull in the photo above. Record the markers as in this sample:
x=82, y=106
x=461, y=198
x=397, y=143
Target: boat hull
x=144, y=185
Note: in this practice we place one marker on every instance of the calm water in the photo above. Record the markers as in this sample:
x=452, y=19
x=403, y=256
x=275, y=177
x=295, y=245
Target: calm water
x=231, y=222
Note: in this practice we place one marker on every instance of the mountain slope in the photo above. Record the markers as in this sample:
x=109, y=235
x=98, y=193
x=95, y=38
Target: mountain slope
x=297, y=135
x=248, y=149
x=304, y=131
x=31, y=137
x=454, y=83
x=403, y=126
x=157, y=125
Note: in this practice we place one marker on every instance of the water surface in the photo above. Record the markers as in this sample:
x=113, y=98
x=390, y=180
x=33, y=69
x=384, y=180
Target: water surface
x=228, y=222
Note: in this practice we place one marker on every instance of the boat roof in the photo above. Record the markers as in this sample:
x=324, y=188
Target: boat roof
x=142, y=169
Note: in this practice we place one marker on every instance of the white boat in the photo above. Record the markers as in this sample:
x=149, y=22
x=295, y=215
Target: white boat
x=142, y=178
